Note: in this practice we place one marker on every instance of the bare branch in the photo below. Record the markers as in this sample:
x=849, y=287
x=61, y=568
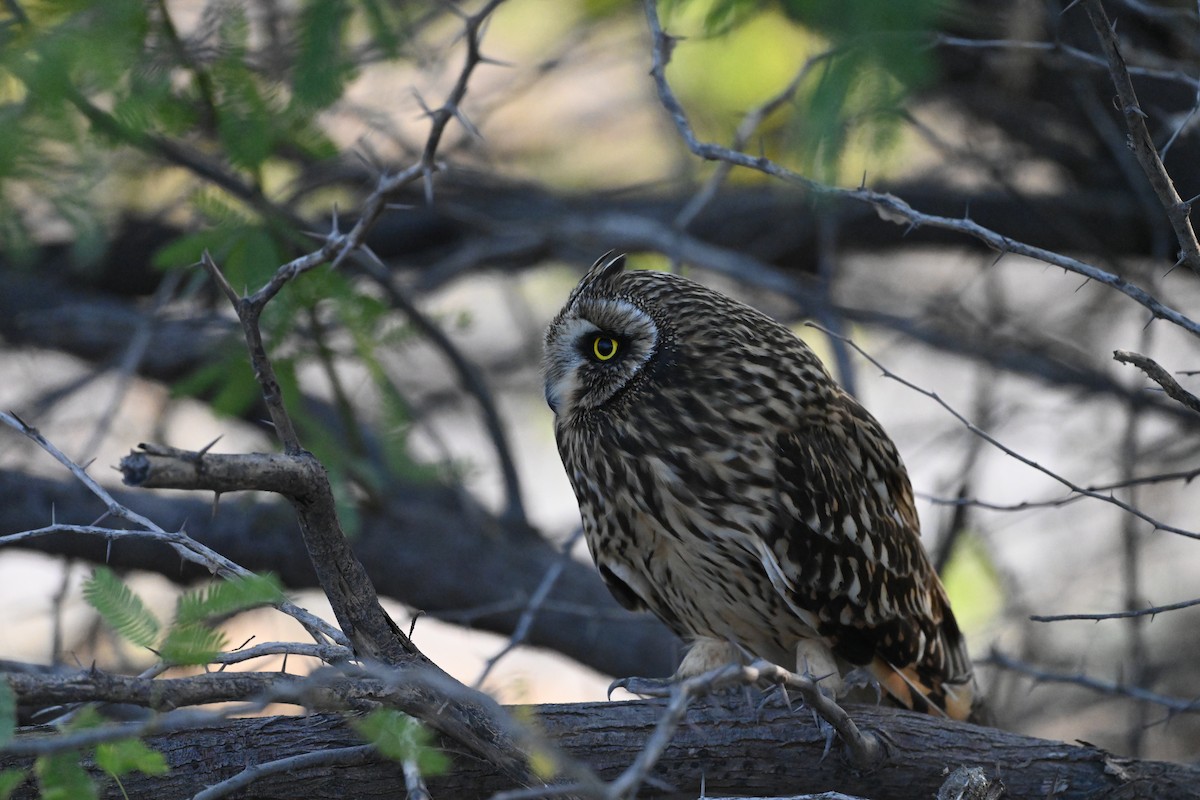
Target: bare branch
x=534, y=605
x=186, y=547
x=1160, y=376
x=332, y=757
x=1140, y=612
x=1174, y=704
x=865, y=749
x=1187, y=476
x=1178, y=212
x=889, y=207
x=469, y=378
x=1074, y=487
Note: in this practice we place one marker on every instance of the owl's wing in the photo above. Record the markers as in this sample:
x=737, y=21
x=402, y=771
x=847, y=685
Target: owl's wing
x=846, y=549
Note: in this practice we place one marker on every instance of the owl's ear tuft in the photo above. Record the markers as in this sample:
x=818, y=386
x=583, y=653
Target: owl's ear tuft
x=606, y=267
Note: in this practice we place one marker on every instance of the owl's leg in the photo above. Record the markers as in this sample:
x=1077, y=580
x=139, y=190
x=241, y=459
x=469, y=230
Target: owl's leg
x=703, y=656
x=815, y=660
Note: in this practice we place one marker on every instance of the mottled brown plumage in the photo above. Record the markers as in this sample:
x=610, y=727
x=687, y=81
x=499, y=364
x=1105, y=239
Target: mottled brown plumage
x=728, y=485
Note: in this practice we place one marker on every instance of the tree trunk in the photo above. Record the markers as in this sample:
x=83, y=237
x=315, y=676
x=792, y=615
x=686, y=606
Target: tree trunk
x=726, y=747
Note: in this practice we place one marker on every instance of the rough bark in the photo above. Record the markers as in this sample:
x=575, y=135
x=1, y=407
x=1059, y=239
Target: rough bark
x=729, y=747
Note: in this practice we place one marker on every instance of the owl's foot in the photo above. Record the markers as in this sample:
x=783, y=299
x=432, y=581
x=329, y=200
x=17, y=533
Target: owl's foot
x=703, y=657
x=859, y=684
x=644, y=687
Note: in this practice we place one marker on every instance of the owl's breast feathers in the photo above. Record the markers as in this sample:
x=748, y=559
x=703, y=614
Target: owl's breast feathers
x=846, y=547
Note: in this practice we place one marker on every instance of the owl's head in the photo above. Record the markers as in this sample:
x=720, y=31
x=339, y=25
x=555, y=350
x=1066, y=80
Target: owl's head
x=601, y=343
x=669, y=352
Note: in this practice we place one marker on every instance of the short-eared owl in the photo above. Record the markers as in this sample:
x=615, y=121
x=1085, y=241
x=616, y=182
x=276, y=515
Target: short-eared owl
x=731, y=487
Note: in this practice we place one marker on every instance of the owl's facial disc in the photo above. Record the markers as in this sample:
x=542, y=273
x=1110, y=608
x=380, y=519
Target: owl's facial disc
x=593, y=350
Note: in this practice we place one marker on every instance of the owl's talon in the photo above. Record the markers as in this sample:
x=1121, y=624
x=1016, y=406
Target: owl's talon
x=830, y=733
x=643, y=687
x=861, y=678
x=774, y=691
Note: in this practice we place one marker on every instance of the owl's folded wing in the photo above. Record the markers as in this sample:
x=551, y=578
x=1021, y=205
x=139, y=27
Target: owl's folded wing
x=847, y=549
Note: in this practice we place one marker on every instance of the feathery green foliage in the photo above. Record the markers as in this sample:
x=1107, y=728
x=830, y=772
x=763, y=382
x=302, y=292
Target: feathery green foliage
x=10, y=779
x=873, y=58
x=191, y=644
x=190, y=639
x=62, y=777
x=120, y=607
x=401, y=738
x=130, y=755
x=222, y=598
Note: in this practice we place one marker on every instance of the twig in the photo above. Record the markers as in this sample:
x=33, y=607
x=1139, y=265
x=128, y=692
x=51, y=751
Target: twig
x=340, y=757
x=186, y=547
x=1178, y=212
x=1162, y=526
x=414, y=783
x=531, y=608
x=745, y=129
x=889, y=207
x=135, y=351
x=1160, y=376
x=865, y=749
x=90, y=737
x=1140, y=612
x=1174, y=704
x=469, y=379
x=1186, y=476
x=1061, y=48
x=56, y=636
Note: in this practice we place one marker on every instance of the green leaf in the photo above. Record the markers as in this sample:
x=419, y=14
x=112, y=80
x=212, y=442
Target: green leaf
x=245, y=114
x=223, y=598
x=63, y=778
x=120, y=607
x=191, y=644
x=129, y=755
x=10, y=779
x=230, y=382
x=322, y=65
x=401, y=738
x=8, y=712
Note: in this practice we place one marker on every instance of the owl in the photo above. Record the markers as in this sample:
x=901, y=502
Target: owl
x=728, y=485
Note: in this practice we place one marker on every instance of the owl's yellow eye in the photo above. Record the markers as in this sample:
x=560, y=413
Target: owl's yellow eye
x=604, y=348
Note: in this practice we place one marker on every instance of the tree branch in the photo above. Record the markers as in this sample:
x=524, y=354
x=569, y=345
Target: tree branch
x=729, y=746
x=889, y=207
x=1178, y=211
x=1160, y=376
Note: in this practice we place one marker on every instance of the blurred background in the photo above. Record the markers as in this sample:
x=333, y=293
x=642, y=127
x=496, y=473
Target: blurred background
x=135, y=135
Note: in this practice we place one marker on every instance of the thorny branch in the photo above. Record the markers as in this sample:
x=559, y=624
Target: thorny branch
x=333, y=757
x=865, y=750
x=187, y=548
x=531, y=609
x=1174, y=704
x=973, y=428
x=1187, y=476
x=1178, y=211
x=889, y=207
x=1160, y=376
x=1139, y=612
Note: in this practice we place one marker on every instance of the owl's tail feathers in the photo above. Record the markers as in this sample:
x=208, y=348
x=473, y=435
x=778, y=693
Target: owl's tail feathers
x=960, y=700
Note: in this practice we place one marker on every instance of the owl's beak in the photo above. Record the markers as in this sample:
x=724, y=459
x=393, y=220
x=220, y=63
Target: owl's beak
x=551, y=400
